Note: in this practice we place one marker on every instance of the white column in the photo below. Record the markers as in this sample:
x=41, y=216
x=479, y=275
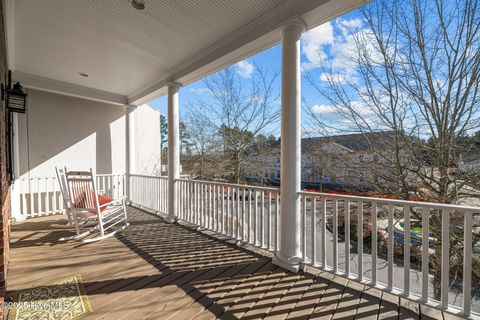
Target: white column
x=173, y=150
x=289, y=254
x=130, y=140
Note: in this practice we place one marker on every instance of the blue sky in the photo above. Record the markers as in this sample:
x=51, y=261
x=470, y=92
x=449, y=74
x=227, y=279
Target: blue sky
x=329, y=42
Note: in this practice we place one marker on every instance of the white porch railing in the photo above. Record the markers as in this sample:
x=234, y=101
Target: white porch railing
x=248, y=214
x=149, y=191
x=384, y=265
x=41, y=196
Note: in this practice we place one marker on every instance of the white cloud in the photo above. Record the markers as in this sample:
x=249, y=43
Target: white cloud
x=337, y=77
x=313, y=42
x=245, y=69
x=332, y=45
x=323, y=109
x=342, y=116
x=349, y=25
x=200, y=90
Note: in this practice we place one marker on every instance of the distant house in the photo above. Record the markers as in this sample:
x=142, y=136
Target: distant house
x=471, y=164
x=353, y=161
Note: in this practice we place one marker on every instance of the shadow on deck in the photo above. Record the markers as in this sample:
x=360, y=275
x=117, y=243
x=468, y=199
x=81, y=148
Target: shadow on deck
x=159, y=270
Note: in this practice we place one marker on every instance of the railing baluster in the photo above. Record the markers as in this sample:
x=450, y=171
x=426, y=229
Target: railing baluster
x=249, y=217
x=243, y=214
x=314, y=230
x=255, y=217
x=214, y=204
x=304, y=228
x=232, y=212
x=185, y=200
x=237, y=224
x=445, y=269
x=374, y=243
x=223, y=210
x=47, y=197
x=229, y=227
x=347, y=237
x=191, y=213
x=425, y=258
x=39, y=198
x=197, y=205
x=335, y=235
x=269, y=222
x=324, y=232
x=406, y=250
x=390, y=248
x=467, y=263
x=262, y=221
x=31, y=205
x=277, y=216
x=204, y=206
x=210, y=207
x=360, y=241
x=54, y=195
x=23, y=192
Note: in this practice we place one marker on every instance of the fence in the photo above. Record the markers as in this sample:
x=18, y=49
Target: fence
x=149, y=191
x=246, y=213
x=393, y=244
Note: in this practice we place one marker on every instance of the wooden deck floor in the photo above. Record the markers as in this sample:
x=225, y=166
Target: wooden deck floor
x=156, y=270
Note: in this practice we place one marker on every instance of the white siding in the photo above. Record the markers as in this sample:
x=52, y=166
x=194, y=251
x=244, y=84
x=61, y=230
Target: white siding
x=147, y=142
x=59, y=130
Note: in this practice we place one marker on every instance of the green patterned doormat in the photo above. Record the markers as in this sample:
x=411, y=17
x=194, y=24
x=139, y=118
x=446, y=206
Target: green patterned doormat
x=64, y=299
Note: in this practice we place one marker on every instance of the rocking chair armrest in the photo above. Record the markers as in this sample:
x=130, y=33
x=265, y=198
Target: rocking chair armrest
x=121, y=200
x=106, y=204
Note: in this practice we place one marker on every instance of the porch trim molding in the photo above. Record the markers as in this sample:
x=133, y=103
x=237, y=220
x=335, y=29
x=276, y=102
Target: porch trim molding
x=31, y=81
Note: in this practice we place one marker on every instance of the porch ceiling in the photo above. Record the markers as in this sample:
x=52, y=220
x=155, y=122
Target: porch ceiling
x=130, y=55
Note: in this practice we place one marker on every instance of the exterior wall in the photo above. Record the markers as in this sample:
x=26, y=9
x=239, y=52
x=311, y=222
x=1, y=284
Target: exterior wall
x=147, y=155
x=329, y=164
x=4, y=180
x=59, y=130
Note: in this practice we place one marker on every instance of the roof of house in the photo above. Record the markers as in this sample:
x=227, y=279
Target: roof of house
x=353, y=142
x=356, y=142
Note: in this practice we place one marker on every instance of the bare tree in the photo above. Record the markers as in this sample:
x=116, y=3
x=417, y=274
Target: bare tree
x=203, y=160
x=233, y=114
x=416, y=67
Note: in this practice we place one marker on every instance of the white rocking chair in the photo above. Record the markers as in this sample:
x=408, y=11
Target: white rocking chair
x=67, y=204
x=111, y=217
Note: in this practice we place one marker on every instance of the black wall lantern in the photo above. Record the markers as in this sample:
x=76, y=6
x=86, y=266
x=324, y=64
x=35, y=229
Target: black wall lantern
x=15, y=102
x=16, y=97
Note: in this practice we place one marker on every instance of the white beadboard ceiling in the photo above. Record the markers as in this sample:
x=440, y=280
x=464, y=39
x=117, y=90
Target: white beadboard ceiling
x=130, y=55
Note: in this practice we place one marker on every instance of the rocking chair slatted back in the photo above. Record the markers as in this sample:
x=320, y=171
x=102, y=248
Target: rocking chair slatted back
x=82, y=189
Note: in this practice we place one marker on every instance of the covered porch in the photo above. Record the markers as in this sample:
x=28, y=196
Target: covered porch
x=206, y=249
